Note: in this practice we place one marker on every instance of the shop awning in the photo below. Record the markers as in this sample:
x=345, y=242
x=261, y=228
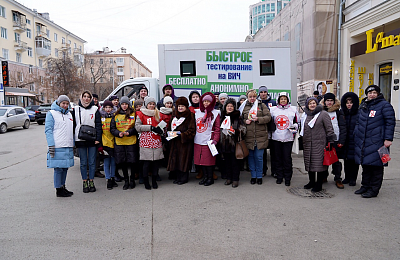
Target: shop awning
x=20, y=94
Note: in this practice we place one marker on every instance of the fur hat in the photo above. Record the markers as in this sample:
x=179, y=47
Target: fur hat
x=107, y=103
x=168, y=99
x=148, y=100
x=125, y=99
x=182, y=101
x=329, y=96
x=230, y=101
x=372, y=88
x=62, y=98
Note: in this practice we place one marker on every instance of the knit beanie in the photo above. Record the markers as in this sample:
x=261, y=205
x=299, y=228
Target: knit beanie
x=62, y=98
x=223, y=95
x=107, y=103
x=138, y=102
x=166, y=86
x=262, y=88
x=316, y=92
x=372, y=88
x=217, y=93
x=95, y=96
x=182, y=101
x=113, y=97
x=149, y=99
x=168, y=99
x=125, y=99
x=207, y=97
x=329, y=96
x=309, y=99
x=242, y=97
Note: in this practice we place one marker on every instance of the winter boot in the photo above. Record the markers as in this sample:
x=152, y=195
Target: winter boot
x=154, y=181
x=320, y=179
x=85, y=187
x=126, y=184
x=203, y=181
x=209, y=181
x=114, y=183
x=235, y=184
x=311, y=183
x=132, y=183
x=92, y=188
x=146, y=183
x=67, y=191
x=200, y=175
x=110, y=184
x=60, y=192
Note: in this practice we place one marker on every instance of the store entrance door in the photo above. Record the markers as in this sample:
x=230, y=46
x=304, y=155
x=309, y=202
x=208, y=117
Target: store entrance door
x=385, y=80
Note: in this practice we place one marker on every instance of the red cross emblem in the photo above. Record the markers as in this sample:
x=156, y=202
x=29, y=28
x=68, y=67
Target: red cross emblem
x=282, y=122
x=201, y=127
x=333, y=118
x=372, y=113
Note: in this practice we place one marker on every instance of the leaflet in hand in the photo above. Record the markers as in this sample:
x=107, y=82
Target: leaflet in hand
x=213, y=148
x=162, y=124
x=172, y=135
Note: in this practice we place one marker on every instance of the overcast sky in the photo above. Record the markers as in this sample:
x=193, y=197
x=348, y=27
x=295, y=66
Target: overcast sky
x=140, y=25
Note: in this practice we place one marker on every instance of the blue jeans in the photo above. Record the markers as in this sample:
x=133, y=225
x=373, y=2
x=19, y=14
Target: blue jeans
x=60, y=175
x=87, y=157
x=256, y=162
x=109, y=167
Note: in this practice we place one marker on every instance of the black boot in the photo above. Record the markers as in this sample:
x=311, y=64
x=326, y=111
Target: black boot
x=60, y=192
x=146, y=183
x=132, y=183
x=126, y=184
x=110, y=185
x=209, y=181
x=311, y=183
x=154, y=181
x=67, y=191
x=203, y=181
x=92, y=188
x=114, y=183
x=361, y=190
x=320, y=179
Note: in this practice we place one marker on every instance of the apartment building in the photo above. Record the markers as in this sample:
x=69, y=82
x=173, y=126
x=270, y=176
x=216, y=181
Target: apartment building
x=106, y=69
x=263, y=13
x=28, y=38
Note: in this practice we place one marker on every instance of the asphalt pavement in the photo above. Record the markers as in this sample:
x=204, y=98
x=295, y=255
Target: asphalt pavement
x=267, y=221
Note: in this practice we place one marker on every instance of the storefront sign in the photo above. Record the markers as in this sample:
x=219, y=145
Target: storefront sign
x=361, y=72
x=385, y=70
x=4, y=73
x=352, y=70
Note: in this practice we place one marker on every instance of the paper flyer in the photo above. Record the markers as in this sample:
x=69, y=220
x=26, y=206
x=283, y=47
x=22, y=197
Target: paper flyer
x=162, y=124
x=212, y=147
x=172, y=135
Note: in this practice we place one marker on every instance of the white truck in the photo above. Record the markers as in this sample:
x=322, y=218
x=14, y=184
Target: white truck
x=231, y=67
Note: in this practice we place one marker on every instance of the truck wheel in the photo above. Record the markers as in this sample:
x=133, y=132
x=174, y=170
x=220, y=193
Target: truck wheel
x=26, y=124
x=40, y=122
x=3, y=128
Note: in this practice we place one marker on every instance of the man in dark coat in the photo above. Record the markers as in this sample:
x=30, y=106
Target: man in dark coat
x=374, y=129
x=167, y=90
x=350, y=104
x=332, y=105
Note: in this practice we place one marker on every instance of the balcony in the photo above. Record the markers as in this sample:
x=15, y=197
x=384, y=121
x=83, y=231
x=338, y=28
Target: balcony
x=78, y=60
x=120, y=62
x=19, y=26
x=43, y=47
x=65, y=46
x=77, y=51
x=20, y=46
x=120, y=73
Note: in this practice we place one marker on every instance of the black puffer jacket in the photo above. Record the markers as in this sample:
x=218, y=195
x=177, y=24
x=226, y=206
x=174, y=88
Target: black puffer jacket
x=227, y=143
x=351, y=116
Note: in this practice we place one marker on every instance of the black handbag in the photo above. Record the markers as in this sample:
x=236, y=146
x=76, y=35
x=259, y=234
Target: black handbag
x=86, y=132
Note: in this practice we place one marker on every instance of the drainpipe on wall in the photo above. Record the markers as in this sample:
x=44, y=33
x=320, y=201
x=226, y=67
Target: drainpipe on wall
x=339, y=46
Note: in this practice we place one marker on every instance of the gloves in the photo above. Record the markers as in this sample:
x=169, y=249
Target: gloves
x=52, y=151
x=214, y=142
x=157, y=130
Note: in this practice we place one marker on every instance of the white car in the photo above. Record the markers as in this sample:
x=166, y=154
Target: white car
x=13, y=116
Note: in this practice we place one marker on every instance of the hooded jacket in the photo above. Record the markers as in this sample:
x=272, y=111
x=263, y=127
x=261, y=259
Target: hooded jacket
x=59, y=133
x=160, y=103
x=351, y=117
x=376, y=122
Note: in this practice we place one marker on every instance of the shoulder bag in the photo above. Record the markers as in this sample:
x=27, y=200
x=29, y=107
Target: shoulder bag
x=241, y=150
x=86, y=132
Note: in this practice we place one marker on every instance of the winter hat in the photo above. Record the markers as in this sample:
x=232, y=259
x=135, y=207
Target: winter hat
x=329, y=96
x=283, y=94
x=207, y=97
x=316, y=92
x=143, y=87
x=262, y=88
x=113, y=97
x=208, y=115
x=138, y=102
x=223, y=95
x=95, y=96
x=251, y=91
x=148, y=100
x=62, y=98
x=125, y=99
x=309, y=99
x=230, y=101
x=372, y=88
x=242, y=97
x=107, y=103
x=182, y=101
x=168, y=99
x=191, y=94
x=217, y=93
x=167, y=86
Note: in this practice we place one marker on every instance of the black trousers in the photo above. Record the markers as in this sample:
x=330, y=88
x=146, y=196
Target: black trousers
x=208, y=172
x=265, y=161
x=231, y=166
x=150, y=166
x=282, y=158
x=181, y=176
x=125, y=166
x=351, y=170
x=336, y=171
x=372, y=177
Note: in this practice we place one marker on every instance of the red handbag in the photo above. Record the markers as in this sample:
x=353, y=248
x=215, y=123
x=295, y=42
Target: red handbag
x=330, y=155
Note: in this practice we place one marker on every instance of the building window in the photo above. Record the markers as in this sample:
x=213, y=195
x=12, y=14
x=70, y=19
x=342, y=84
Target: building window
x=120, y=78
x=120, y=69
x=20, y=76
x=28, y=21
x=92, y=70
x=30, y=52
x=56, y=52
x=188, y=68
x=5, y=54
x=91, y=61
x=111, y=71
x=32, y=88
x=17, y=37
x=111, y=79
x=69, y=50
x=40, y=63
x=272, y=7
x=28, y=33
x=55, y=37
x=74, y=45
x=80, y=48
x=101, y=61
x=91, y=80
x=63, y=40
x=120, y=59
x=18, y=57
x=101, y=71
x=263, y=9
x=267, y=67
x=48, y=33
x=101, y=80
x=268, y=9
x=3, y=32
x=69, y=42
x=30, y=69
x=286, y=37
x=2, y=11
x=111, y=60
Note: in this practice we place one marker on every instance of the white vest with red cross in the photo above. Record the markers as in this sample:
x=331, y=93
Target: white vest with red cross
x=204, y=130
x=283, y=118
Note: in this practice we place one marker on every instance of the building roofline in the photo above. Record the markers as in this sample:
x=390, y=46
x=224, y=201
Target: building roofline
x=44, y=19
x=113, y=54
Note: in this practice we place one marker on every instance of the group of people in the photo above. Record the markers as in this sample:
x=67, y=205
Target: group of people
x=204, y=134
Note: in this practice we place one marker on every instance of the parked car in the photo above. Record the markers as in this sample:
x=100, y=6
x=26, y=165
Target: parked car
x=40, y=114
x=13, y=116
x=31, y=110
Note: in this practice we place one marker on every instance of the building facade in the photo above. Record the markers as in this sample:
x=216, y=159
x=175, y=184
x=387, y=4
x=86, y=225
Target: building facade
x=263, y=13
x=371, y=48
x=27, y=40
x=106, y=69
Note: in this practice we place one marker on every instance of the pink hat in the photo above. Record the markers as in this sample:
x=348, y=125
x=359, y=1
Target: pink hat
x=208, y=98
